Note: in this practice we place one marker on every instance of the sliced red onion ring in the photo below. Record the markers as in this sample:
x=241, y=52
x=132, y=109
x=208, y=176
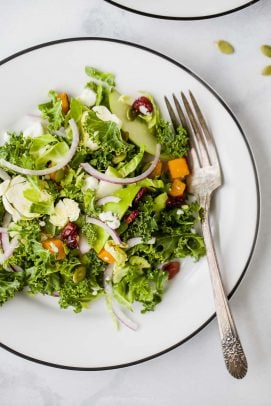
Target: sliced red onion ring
x=17, y=268
x=14, y=244
x=115, y=306
x=107, y=199
x=84, y=246
x=61, y=132
x=4, y=234
x=4, y=175
x=47, y=171
x=123, y=181
x=109, y=230
x=132, y=242
x=3, y=230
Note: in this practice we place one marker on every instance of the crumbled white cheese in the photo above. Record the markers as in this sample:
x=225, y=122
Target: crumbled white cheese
x=180, y=211
x=104, y=114
x=143, y=110
x=90, y=183
x=87, y=97
x=93, y=146
x=65, y=210
x=34, y=130
x=110, y=219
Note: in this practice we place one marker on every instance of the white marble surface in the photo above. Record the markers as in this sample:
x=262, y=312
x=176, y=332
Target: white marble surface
x=193, y=374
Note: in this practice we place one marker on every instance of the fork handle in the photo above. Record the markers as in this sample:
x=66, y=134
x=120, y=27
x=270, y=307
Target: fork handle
x=233, y=353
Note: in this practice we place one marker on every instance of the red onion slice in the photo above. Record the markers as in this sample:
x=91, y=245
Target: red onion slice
x=115, y=306
x=17, y=268
x=4, y=234
x=107, y=199
x=113, y=234
x=84, y=246
x=47, y=171
x=14, y=244
x=123, y=181
x=4, y=175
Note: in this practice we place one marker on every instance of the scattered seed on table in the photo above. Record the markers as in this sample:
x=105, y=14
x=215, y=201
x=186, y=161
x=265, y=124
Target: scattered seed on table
x=225, y=47
x=266, y=50
x=266, y=70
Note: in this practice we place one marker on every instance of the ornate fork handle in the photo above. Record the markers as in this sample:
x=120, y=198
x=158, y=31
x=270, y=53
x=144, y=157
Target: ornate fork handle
x=233, y=353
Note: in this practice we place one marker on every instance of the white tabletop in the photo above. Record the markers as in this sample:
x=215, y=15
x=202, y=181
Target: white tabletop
x=193, y=374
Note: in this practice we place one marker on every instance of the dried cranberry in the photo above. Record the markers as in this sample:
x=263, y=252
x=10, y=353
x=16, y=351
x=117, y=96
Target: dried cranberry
x=142, y=105
x=172, y=268
x=70, y=235
x=129, y=218
x=174, y=202
x=143, y=191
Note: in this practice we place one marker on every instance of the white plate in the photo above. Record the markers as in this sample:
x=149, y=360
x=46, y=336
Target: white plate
x=35, y=327
x=182, y=9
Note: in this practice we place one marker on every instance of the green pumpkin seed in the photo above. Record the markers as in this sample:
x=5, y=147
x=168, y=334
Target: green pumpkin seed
x=79, y=274
x=119, y=158
x=266, y=70
x=266, y=50
x=225, y=47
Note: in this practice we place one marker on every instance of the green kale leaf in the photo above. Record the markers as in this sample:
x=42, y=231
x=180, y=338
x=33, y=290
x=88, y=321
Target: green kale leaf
x=105, y=133
x=52, y=111
x=144, y=286
x=104, y=77
x=16, y=151
x=10, y=284
x=173, y=145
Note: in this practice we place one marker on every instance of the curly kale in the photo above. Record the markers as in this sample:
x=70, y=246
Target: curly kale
x=173, y=145
x=10, y=283
x=52, y=111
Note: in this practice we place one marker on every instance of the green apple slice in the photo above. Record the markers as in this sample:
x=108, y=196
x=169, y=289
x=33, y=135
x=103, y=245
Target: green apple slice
x=137, y=130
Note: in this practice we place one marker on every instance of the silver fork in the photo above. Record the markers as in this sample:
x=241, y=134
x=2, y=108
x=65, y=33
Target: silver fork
x=204, y=179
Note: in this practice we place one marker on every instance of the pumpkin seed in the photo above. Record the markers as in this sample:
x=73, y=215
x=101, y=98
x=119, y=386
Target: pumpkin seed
x=225, y=47
x=79, y=274
x=266, y=50
x=119, y=158
x=266, y=70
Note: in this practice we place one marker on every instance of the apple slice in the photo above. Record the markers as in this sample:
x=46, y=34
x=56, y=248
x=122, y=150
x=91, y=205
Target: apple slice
x=137, y=130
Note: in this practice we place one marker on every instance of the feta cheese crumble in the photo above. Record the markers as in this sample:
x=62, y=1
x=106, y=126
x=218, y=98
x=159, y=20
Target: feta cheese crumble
x=65, y=210
x=90, y=183
x=87, y=97
x=110, y=219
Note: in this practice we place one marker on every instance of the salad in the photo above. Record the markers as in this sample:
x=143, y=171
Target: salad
x=93, y=201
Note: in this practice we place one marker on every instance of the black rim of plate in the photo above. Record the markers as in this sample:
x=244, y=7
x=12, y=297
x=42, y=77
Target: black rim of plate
x=223, y=13
x=126, y=43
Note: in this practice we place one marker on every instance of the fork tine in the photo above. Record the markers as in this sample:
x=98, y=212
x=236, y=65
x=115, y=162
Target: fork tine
x=180, y=112
x=172, y=115
x=208, y=136
x=196, y=132
x=194, y=160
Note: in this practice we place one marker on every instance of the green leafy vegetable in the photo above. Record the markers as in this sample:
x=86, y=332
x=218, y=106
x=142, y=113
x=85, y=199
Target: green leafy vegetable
x=15, y=150
x=104, y=77
x=52, y=111
x=10, y=283
x=105, y=133
x=144, y=286
x=173, y=145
